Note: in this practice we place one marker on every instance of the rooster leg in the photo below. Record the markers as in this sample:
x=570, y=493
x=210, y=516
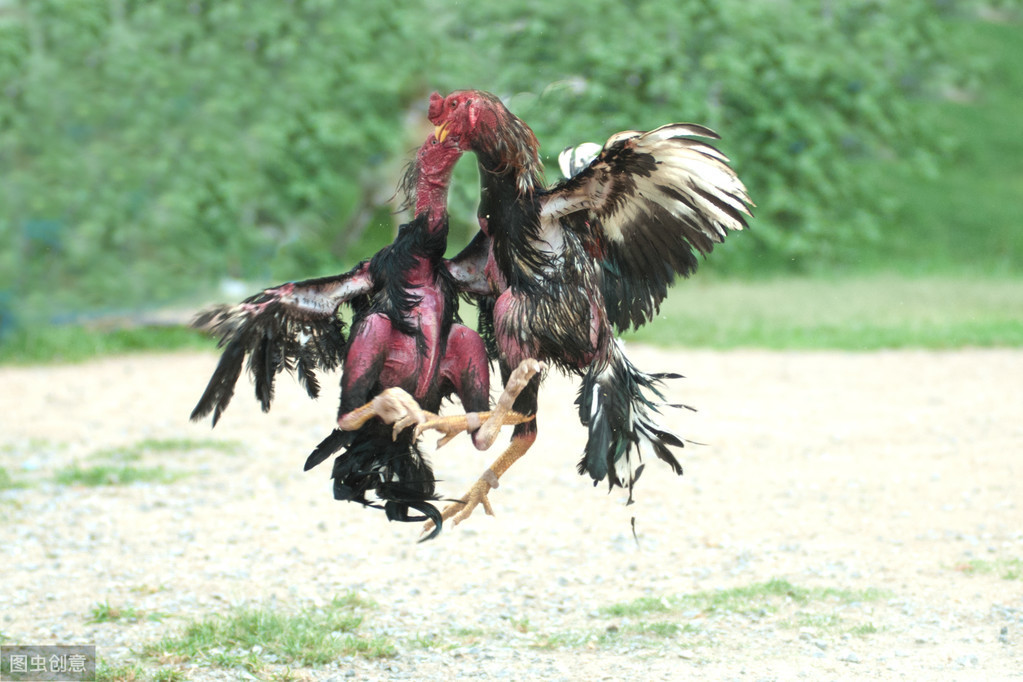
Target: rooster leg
x=455, y=424
x=393, y=406
x=522, y=440
x=500, y=415
x=487, y=425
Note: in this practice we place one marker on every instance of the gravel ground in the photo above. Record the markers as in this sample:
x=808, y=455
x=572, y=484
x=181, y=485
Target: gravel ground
x=893, y=474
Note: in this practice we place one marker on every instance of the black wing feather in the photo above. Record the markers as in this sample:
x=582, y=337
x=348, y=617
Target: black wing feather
x=293, y=327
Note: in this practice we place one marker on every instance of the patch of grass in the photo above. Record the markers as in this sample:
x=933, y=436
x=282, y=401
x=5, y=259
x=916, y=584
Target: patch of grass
x=169, y=675
x=643, y=633
x=352, y=600
x=116, y=468
x=648, y=620
x=641, y=606
x=470, y=633
x=1008, y=569
x=428, y=641
x=247, y=636
x=821, y=621
x=860, y=314
x=105, y=613
x=757, y=597
x=102, y=475
x=864, y=630
x=567, y=640
x=7, y=482
x=127, y=672
x=75, y=343
x=520, y=624
x=135, y=451
x=738, y=599
x=287, y=675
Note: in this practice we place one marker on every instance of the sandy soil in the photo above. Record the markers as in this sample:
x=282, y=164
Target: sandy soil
x=897, y=472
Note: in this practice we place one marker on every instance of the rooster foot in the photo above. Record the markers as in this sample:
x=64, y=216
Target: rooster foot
x=455, y=424
x=393, y=406
x=517, y=381
x=462, y=509
x=477, y=495
x=487, y=424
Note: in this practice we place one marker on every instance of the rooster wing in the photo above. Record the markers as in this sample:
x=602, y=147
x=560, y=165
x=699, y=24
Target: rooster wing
x=643, y=206
x=294, y=327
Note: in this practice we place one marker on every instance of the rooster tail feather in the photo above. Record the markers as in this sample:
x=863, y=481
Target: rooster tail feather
x=377, y=471
x=617, y=404
x=328, y=446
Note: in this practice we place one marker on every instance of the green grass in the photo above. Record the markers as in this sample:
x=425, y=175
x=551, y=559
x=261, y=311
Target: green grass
x=864, y=630
x=169, y=675
x=756, y=597
x=470, y=633
x=245, y=637
x=861, y=314
x=645, y=633
x=648, y=621
x=7, y=482
x=106, y=613
x=1007, y=569
x=74, y=343
x=125, y=672
x=115, y=466
x=135, y=451
x=102, y=475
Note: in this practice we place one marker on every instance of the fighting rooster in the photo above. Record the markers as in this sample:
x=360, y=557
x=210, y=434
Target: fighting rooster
x=559, y=269
x=405, y=354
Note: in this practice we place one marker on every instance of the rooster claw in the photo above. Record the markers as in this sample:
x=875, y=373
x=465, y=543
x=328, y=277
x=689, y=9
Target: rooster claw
x=448, y=426
x=453, y=425
x=462, y=509
x=393, y=406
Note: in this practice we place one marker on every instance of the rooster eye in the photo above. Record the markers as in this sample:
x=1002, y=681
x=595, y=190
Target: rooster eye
x=433, y=141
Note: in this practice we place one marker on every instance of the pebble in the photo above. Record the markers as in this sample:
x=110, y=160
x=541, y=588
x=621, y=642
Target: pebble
x=968, y=661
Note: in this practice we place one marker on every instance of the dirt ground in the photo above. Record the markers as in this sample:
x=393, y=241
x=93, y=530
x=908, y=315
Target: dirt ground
x=895, y=476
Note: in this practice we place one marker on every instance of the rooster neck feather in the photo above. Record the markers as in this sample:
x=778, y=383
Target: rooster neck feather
x=511, y=220
x=509, y=143
x=394, y=294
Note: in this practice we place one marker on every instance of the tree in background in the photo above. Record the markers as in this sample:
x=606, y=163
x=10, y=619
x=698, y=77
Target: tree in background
x=148, y=148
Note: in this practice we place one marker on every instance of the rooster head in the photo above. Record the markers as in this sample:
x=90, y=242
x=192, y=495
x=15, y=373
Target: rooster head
x=425, y=183
x=484, y=125
x=439, y=154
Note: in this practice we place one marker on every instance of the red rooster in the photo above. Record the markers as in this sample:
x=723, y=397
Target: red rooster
x=406, y=351
x=559, y=269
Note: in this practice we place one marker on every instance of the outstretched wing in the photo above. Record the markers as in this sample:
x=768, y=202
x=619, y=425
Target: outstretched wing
x=292, y=327
x=644, y=206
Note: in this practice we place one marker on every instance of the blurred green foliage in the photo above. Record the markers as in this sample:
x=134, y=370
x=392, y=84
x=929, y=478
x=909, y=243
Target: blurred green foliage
x=148, y=149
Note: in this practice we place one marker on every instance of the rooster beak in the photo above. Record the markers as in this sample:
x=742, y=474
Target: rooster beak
x=441, y=131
